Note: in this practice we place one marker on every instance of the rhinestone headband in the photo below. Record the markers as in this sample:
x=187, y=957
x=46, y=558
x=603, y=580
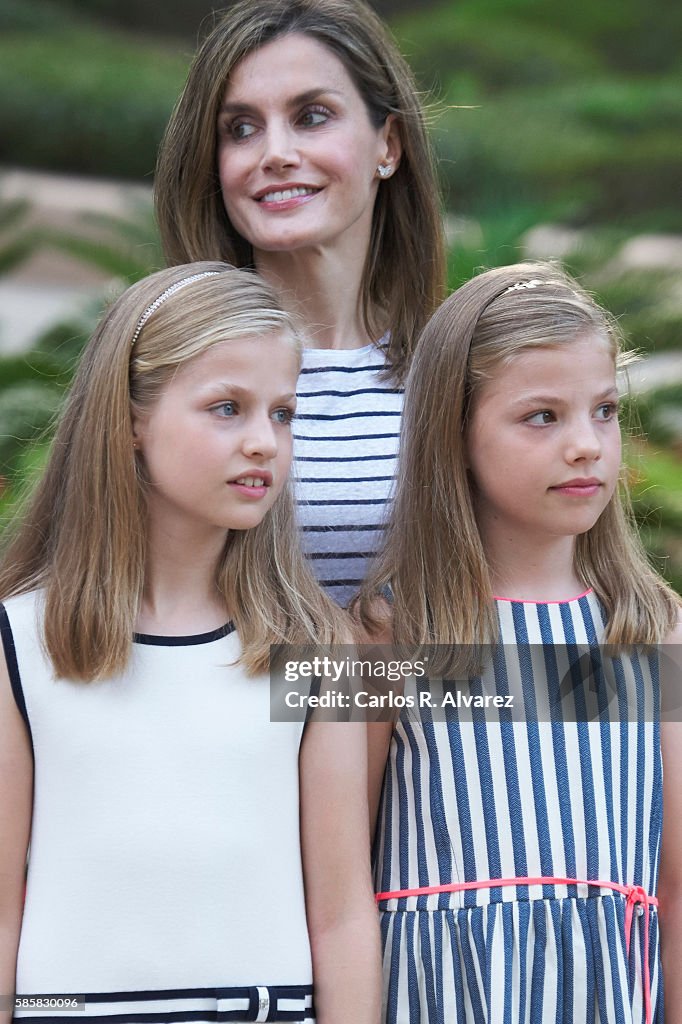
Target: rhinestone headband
x=166, y=295
x=534, y=282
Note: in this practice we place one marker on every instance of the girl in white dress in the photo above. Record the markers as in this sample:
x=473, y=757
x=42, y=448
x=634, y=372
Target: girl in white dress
x=189, y=859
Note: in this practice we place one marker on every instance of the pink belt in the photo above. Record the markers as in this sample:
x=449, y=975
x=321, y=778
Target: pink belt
x=635, y=897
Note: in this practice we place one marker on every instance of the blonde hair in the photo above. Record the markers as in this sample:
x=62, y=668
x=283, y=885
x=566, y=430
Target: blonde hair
x=83, y=536
x=405, y=266
x=433, y=556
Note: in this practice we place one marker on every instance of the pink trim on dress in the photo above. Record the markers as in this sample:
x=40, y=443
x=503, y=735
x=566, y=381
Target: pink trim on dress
x=635, y=898
x=516, y=600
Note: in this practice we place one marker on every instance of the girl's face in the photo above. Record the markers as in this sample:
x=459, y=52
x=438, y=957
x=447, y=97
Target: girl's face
x=216, y=445
x=297, y=153
x=544, y=444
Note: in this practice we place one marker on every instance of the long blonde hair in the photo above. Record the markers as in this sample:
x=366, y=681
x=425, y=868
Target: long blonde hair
x=83, y=535
x=433, y=557
x=405, y=266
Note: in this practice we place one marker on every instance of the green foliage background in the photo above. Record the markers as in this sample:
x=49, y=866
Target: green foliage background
x=576, y=105
x=541, y=111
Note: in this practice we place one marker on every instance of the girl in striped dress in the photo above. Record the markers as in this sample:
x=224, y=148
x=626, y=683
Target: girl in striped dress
x=521, y=864
x=190, y=858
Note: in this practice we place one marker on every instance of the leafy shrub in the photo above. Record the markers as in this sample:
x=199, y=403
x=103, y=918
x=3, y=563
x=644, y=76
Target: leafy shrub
x=497, y=50
x=85, y=101
x=558, y=119
x=630, y=36
x=607, y=147
x=657, y=499
x=26, y=411
x=660, y=413
x=39, y=15
x=172, y=17
x=642, y=301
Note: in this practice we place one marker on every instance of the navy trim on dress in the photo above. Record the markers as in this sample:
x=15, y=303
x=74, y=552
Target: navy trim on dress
x=13, y=668
x=184, y=641
x=340, y=527
x=163, y=1013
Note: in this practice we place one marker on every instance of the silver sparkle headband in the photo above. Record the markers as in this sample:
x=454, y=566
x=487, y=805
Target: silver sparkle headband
x=166, y=295
x=534, y=282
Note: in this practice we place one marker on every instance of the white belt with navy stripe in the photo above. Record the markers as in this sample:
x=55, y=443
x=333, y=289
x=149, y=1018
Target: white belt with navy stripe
x=257, y=1003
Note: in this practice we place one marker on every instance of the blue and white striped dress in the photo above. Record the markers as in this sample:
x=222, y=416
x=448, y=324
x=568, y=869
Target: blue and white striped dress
x=489, y=798
x=346, y=435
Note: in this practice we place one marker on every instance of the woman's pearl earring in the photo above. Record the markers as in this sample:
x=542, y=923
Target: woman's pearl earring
x=384, y=170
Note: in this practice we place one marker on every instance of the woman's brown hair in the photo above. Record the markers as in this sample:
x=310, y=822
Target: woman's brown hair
x=405, y=265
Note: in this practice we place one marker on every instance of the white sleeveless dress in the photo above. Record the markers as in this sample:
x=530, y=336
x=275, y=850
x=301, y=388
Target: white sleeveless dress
x=164, y=875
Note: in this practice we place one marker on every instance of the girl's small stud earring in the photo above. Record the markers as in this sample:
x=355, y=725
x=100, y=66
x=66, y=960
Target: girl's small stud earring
x=384, y=170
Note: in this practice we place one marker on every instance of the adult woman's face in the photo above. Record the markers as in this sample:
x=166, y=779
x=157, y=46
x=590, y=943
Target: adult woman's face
x=297, y=152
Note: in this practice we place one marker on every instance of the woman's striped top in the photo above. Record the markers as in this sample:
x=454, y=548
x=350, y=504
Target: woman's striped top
x=346, y=436
x=478, y=796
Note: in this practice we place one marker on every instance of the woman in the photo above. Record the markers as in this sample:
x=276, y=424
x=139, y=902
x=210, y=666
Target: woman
x=298, y=146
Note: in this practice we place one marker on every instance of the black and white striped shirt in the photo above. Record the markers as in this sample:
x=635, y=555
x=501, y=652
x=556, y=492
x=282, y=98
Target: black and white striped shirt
x=346, y=435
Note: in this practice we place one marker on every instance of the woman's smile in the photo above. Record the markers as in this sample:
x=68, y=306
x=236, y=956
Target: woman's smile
x=285, y=197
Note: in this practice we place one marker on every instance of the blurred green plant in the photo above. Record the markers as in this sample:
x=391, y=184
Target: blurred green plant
x=660, y=415
x=85, y=100
x=26, y=411
x=603, y=148
x=576, y=105
x=646, y=301
x=39, y=15
x=33, y=385
x=16, y=241
x=509, y=42
x=494, y=239
x=656, y=488
x=124, y=247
